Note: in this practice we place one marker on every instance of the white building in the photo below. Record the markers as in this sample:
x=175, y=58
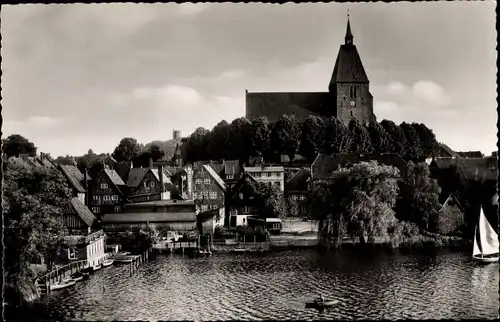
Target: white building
x=270, y=175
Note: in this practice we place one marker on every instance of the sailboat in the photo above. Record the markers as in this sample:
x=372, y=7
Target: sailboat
x=486, y=246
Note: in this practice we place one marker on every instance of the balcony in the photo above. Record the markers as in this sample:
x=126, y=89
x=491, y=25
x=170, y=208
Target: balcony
x=94, y=236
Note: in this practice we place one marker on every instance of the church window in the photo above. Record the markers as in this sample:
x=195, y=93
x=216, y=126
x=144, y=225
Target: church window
x=351, y=114
x=352, y=91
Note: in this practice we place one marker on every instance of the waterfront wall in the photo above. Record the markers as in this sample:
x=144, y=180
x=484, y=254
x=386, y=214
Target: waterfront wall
x=296, y=225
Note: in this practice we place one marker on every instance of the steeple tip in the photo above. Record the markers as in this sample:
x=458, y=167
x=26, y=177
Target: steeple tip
x=348, y=35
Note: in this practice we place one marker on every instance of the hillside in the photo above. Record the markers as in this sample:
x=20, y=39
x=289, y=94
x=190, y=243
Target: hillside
x=168, y=147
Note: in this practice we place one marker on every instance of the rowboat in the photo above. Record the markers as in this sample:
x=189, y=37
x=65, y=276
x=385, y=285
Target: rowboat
x=123, y=259
x=107, y=263
x=63, y=284
x=486, y=246
x=79, y=276
x=96, y=267
x=319, y=304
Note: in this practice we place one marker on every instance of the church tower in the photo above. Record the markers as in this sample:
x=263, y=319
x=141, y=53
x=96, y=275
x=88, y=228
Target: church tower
x=349, y=85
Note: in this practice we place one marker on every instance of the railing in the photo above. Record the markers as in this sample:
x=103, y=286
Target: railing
x=175, y=245
x=92, y=237
x=60, y=272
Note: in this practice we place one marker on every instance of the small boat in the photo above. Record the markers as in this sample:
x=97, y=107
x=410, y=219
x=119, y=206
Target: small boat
x=319, y=304
x=486, y=246
x=96, y=267
x=122, y=254
x=63, y=284
x=123, y=260
x=107, y=263
x=79, y=276
x=239, y=250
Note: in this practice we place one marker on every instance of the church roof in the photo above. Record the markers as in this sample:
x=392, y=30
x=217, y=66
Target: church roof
x=301, y=104
x=348, y=67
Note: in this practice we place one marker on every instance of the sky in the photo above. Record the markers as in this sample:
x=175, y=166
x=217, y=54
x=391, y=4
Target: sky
x=79, y=76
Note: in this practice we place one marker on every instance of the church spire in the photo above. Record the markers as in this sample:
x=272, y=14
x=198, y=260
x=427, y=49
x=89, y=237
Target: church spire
x=348, y=35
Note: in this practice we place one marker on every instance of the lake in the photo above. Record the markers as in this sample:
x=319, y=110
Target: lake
x=368, y=285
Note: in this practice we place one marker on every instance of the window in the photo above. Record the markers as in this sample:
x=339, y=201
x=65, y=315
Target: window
x=352, y=91
x=213, y=195
x=241, y=195
x=204, y=194
x=117, y=208
x=269, y=174
x=229, y=176
x=96, y=210
x=152, y=184
x=104, y=186
x=246, y=209
x=302, y=197
x=256, y=174
x=204, y=207
x=294, y=197
x=97, y=198
x=72, y=254
x=199, y=181
x=351, y=114
x=206, y=181
x=106, y=197
x=114, y=197
x=278, y=174
x=276, y=226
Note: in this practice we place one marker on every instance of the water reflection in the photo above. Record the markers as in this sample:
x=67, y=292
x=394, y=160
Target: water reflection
x=375, y=285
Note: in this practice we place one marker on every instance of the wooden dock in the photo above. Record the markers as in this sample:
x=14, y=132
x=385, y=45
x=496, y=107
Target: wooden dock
x=43, y=282
x=172, y=246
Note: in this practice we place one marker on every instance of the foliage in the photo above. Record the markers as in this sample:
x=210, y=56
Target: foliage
x=127, y=149
x=311, y=135
x=285, y=136
x=361, y=142
x=398, y=139
x=33, y=203
x=156, y=153
x=380, y=139
x=196, y=145
x=358, y=201
x=336, y=137
x=419, y=202
x=413, y=150
x=219, y=141
x=138, y=240
x=240, y=144
x=260, y=135
x=66, y=160
x=16, y=144
x=427, y=140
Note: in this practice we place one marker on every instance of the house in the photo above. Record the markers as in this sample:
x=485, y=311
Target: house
x=324, y=165
x=296, y=191
x=182, y=179
x=163, y=215
x=77, y=181
x=272, y=225
x=108, y=192
x=38, y=161
x=451, y=217
x=86, y=243
x=471, y=154
x=270, y=175
x=232, y=172
x=209, y=190
x=445, y=151
x=241, y=202
x=209, y=220
x=149, y=184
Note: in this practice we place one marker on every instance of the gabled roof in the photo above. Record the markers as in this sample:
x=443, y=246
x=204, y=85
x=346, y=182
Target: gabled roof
x=298, y=182
x=215, y=176
x=452, y=198
x=74, y=176
x=477, y=168
x=166, y=180
x=444, y=163
x=114, y=177
x=135, y=176
x=448, y=151
x=173, y=171
x=123, y=169
x=149, y=217
x=471, y=154
x=82, y=211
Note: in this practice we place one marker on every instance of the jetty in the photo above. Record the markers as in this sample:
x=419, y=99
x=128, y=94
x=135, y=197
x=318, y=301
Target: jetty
x=134, y=261
x=173, y=246
x=57, y=275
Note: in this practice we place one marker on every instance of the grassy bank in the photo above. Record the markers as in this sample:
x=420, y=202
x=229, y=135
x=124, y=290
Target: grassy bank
x=416, y=242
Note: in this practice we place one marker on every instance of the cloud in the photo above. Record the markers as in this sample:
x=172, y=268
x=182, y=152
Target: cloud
x=396, y=88
x=431, y=92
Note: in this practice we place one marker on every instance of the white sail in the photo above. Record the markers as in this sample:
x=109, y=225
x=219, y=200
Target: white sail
x=487, y=236
x=476, y=251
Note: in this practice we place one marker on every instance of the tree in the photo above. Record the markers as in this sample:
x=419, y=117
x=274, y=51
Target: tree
x=311, y=137
x=427, y=139
x=127, y=149
x=66, y=160
x=33, y=203
x=380, y=139
x=413, y=150
x=419, y=202
x=260, y=135
x=240, y=143
x=16, y=144
x=398, y=139
x=361, y=142
x=196, y=145
x=143, y=159
x=155, y=152
x=358, y=200
x=220, y=137
x=336, y=137
x=285, y=136
x=271, y=202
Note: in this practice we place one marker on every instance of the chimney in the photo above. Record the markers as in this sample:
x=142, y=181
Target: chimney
x=151, y=163
x=160, y=175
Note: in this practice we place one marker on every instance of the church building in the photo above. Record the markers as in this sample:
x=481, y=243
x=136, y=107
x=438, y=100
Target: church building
x=348, y=95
